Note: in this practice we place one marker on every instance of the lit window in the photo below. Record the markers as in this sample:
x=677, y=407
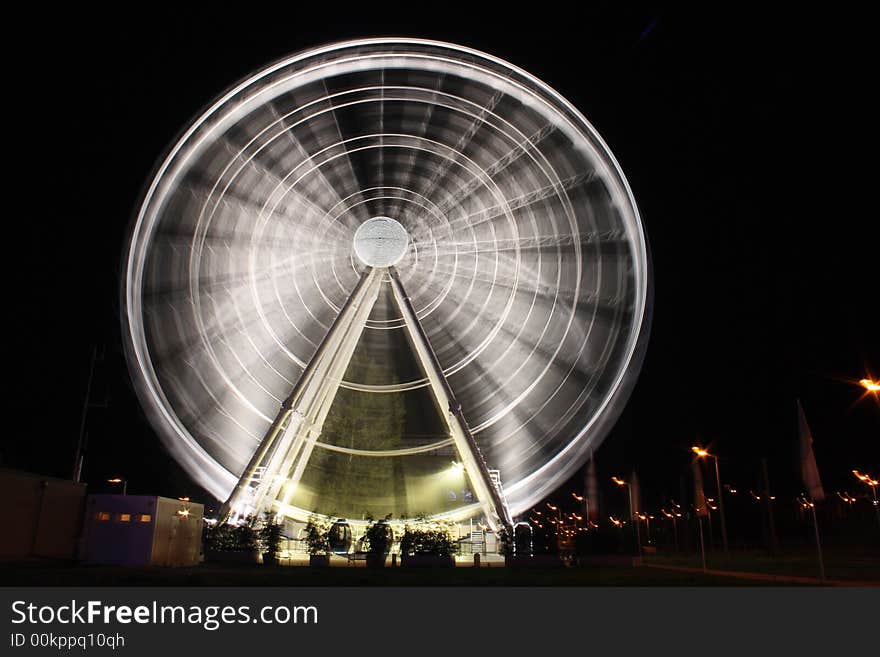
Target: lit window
x=103, y=515
x=124, y=517
x=145, y=517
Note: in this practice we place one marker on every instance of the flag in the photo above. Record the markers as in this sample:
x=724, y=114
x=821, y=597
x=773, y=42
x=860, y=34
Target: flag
x=809, y=471
x=593, y=490
x=699, y=493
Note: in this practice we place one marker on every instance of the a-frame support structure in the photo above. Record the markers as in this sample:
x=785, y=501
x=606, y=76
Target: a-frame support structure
x=273, y=473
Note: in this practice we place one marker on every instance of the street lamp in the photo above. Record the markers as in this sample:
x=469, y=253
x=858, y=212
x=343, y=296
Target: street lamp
x=869, y=481
x=702, y=453
x=621, y=482
x=118, y=480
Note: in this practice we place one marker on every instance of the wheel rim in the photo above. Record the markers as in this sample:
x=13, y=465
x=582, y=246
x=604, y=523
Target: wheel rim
x=527, y=264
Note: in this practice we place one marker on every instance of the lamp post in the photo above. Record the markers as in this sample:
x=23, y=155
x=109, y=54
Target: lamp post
x=118, y=480
x=702, y=453
x=586, y=501
x=709, y=509
x=621, y=482
x=869, y=481
x=647, y=519
x=672, y=517
x=558, y=524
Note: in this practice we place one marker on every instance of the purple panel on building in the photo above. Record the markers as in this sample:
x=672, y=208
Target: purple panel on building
x=141, y=530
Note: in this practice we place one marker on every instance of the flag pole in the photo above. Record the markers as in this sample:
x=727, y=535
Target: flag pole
x=771, y=524
x=702, y=546
x=818, y=542
x=810, y=474
x=700, y=507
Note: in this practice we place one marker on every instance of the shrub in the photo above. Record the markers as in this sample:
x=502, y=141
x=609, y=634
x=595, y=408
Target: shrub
x=424, y=539
x=317, y=535
x=225, y=537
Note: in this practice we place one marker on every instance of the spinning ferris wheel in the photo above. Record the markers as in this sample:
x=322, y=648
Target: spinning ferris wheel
x=386, y=276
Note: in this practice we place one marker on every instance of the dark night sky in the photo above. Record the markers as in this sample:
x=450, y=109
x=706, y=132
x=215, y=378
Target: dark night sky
x=743, y=137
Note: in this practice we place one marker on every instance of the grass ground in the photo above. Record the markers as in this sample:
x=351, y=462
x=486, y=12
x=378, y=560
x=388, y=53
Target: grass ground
x=862, y=567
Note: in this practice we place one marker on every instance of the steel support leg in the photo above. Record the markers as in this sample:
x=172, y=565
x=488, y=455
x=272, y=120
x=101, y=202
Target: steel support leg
x=289, y=441
x=478, y=473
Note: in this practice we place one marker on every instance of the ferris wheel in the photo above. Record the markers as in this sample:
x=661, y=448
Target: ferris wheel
x=386, y=276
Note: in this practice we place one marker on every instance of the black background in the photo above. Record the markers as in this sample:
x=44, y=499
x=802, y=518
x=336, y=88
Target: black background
x=747, y=138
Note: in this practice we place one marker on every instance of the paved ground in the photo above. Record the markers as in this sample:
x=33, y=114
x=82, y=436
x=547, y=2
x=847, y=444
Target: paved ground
x=741, y=569
x=486, y=561
x=207, y=575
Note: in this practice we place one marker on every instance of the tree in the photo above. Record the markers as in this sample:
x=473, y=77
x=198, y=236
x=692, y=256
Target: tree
x=270, y=537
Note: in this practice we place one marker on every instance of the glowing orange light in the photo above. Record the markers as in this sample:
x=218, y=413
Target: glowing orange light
x=116, y=480
x=699, y=451
x=618, y=481
x=864, y=478
x=870, y=385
